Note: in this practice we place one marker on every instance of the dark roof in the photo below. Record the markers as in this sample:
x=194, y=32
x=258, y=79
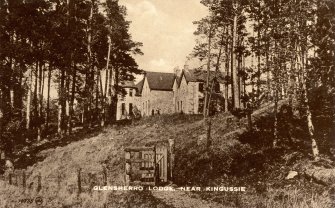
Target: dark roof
x=160, y=81
x=128, y=84
x=197, y=75
x=139, y=87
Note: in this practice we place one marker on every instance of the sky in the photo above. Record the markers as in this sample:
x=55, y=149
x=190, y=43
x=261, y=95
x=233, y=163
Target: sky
x=165, y=27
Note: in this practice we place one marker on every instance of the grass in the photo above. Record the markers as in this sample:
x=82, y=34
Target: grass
x=235, y=159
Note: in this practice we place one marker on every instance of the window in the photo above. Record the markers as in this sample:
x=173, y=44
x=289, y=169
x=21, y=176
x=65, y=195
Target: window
x=201, y=87
x=130, y=108
x=130, y=92
x=181, y=105
x=123, y=109
x=201, y=105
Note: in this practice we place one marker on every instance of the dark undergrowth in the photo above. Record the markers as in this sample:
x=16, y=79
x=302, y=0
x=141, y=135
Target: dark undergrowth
x=249, y=159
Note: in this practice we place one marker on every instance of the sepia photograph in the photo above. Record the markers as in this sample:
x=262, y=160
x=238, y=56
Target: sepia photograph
x=167, y=103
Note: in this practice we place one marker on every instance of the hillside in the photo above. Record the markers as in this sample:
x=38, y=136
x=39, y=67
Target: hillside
x=238, y=158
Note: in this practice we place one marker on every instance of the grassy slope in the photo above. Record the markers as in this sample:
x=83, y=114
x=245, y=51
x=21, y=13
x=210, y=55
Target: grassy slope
x=231, y=162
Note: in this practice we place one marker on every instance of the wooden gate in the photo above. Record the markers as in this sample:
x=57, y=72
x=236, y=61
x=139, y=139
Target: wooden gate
x=148, y=165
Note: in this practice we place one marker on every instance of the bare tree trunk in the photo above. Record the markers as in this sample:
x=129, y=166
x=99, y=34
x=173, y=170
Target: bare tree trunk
x=40, y=103
x=97, y=96
x=28, y=105
x=217, y=68
x=35, y=101
x=48, y=100
x=315, y=148
x=104, y=103
x=61, y=102
x=276, y=83
x=67, y=99
x=115, y=96
x=258, y=62
x=110, y=93
x=227, y=70
x=236, y=94
x=291, y=83
x=87, y=107
x=205, y=113
x=275, y=125
x=18, y=91
x=267, y=69
x=71, y=110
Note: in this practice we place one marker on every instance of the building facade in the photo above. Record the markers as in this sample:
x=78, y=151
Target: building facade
x=127, y=102
x=167, y=93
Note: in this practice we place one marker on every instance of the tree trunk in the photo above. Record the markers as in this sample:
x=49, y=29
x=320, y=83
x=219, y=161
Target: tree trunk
x=28, y=105
x=205, y=113
x=40, y=103
x=67, y=99
x=258, y=63
x=61, y=103
x=227, y=71
x=315, y=148
x=235, y=86
x=97, y=96
x=115, y=96
x=71, y=110
x=35, y=101
x=267, y=70
x=275, y=125
x=18, y=92
x=48, y=101
x=104, y=103
x=87, y=110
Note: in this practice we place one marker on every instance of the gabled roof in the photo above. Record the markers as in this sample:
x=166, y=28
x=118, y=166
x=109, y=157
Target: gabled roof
x=160, y=81
x=197, y=75
x=139, y=87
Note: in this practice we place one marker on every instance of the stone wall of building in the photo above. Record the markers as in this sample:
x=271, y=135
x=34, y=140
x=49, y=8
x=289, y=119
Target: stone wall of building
x=186, y=97
x=127, y=100
x=192, y=98
x=143, y=103
x=161, y=102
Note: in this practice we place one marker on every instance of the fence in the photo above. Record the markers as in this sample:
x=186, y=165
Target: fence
x=85, y=181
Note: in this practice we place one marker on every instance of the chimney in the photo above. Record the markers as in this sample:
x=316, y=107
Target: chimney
x=177, y=71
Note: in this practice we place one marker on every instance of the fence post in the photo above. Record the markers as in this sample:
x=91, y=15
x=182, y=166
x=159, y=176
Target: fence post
x=79, y=180
x=58, y=180
x=90, y=182
x=104, y=169
x=39, y=179
x=16, y=181
x=127, y=168
x=155, y=167
x=10, y=178
x=24, y=179
x=172, y=155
